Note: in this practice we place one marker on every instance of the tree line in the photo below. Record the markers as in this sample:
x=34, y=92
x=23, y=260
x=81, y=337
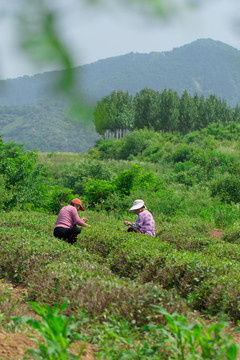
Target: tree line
x=166, y=111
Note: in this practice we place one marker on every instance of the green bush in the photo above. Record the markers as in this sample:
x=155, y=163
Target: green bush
x=232, y=233
x=107, y=149
x=75, y=176
x=183, y=152
x=96, y=191
x=127, y=179
x=57, y=197
x=188, y=173
x=5, y=194
x=227, y=188
x=135, y=143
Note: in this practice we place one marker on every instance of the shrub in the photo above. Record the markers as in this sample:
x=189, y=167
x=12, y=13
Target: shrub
x=127, y=179
x=135, y=143
x=232, y=233
x=57, y=198
x=5, y=195
x=222, y=215
x=107, y=149
x=75, y=176
x=95, y=191
x=182, y=153
x=227, y=188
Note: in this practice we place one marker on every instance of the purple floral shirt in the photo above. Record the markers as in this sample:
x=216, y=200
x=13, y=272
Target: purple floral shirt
x=146, y=223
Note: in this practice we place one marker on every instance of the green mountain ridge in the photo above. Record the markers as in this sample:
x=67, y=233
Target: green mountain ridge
x=204, y=66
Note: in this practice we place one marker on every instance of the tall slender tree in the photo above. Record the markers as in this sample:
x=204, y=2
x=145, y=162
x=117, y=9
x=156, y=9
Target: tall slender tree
x=114, y=112
x=147, y=108
x=169, y=111
x=187, y=113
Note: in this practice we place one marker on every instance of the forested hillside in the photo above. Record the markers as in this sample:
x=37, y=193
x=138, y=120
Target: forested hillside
x=46, y=128
x=204, y=67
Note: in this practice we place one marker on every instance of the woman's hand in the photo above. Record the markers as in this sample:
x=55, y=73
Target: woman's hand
x=127, y=223
x=84, y=219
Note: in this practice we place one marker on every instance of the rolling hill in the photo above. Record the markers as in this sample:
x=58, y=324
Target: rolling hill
x=39, y=119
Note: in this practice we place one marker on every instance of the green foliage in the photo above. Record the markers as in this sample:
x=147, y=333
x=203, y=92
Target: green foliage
x=192, y=341
x=128, y=179
x=223, y=215
x=5, y=194
x=96, y=191
x=8, y=305
x=74, y=176
x=183, y=152
x=57, y=197
x=13, y=149
x=180, y=258
x=227, y=188
x=147, y=108
x=114, y=112
x=106, y=149
x=166, y=112
x=57, y=331
x=135, y=143
x=232, y=233
x=188, y=173
x=23, y=179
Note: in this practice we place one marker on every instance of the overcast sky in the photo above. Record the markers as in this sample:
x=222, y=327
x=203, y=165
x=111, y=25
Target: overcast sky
x=99, y=33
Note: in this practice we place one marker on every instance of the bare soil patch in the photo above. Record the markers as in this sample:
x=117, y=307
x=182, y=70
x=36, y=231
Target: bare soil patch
x=216, y=234
x=14, y=345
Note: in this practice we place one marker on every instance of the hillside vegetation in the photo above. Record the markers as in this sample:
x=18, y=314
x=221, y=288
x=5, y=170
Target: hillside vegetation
x=46, y=128
x=204, y=67
x=132, y=295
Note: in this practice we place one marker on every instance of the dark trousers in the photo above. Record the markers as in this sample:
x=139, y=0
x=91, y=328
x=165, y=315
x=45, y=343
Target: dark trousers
x=67, y=234
x=131, y=229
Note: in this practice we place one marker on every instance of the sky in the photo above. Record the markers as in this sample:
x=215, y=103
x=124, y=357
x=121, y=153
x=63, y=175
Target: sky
x=94, y=33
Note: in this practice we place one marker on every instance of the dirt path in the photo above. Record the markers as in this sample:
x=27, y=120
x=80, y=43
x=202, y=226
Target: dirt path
x=14, y=345
x=216, y=234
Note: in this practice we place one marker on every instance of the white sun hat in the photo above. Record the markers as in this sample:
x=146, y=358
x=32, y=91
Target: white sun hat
x=137, y=204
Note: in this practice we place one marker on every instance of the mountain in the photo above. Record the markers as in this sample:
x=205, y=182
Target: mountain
x=204, y=66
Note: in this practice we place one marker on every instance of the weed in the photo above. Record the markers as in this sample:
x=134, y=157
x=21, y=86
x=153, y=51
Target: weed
x=57, y=331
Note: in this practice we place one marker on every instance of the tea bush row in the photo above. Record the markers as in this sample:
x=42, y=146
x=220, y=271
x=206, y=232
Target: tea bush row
x=209, y=267
x=196, y=275
x=52, y=269
x=117, y=308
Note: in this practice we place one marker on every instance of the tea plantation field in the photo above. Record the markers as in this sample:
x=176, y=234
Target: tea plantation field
x=134, y=296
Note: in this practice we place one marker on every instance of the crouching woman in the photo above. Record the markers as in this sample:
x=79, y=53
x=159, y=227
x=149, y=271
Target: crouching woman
x=145, y=223
x=66, y=225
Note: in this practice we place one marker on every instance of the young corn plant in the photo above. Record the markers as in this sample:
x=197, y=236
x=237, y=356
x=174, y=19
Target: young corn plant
x=57, y=330
x=196, y=341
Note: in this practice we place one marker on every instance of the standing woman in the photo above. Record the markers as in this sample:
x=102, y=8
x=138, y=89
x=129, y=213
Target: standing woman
x=66, y=226
x=145, y=223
